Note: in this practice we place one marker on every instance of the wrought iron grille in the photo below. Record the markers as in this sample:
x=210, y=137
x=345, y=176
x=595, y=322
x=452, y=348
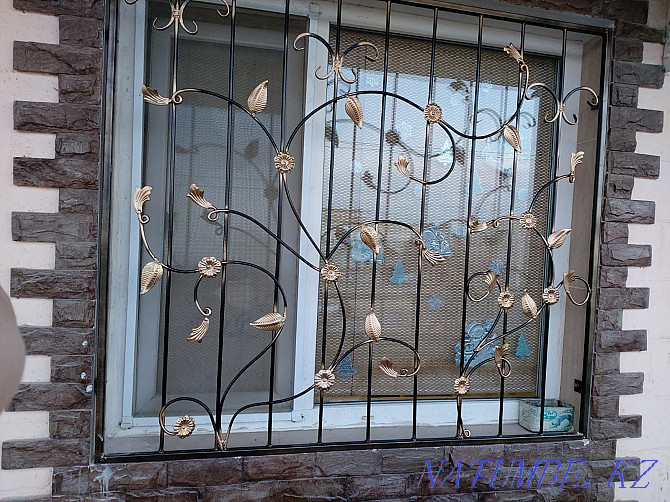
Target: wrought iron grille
x=362, y=224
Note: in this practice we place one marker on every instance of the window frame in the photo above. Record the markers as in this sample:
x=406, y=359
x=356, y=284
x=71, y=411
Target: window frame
x=304, y=414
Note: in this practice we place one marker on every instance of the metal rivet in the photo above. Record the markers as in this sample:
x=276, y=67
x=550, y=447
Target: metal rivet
x=84, y=375
x=89, y=388
x=84, y=343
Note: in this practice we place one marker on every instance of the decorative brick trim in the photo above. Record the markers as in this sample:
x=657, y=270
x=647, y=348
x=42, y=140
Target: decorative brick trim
x=637, y=118
x=50, y=396
x=53, y=227
x=56, y=341
x=638, y=165
x=44, y=453
x=621, y=341
x=620, y=255
x=56, y=173
x=73, y=284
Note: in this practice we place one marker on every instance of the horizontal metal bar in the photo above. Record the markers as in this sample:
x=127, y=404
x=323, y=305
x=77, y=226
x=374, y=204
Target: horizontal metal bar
x=358, y=445
x=500, y=11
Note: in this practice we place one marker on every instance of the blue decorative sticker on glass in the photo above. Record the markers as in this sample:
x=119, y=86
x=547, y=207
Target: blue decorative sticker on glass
x=459, y=229
x=522, y=348
x=475, y=333
x=435, y=302
x=405, y=131
x=436, y=241
x=398, y=276
x=476, y=185
x=446, y=156
x=346, y=368
x=497, y=266
x=373, y=80
x=522, y=195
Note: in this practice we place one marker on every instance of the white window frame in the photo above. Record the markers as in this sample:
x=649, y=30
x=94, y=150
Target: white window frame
x=124, y=238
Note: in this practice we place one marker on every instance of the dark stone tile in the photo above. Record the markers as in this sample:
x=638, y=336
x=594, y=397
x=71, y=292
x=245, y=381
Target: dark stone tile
x=618, y=384
x=44, y=453
x=51, y=58
x=623, y=95
x=613, y=277
x=615, y=256
x=291, y=466
x=637, y=119
x=348, y=463
x=621, y=341
x=135, y=476
x=80, y=31
x=204, y=472
x=76, y=255
x=624, y=298
x=71, y=172
x=53, y=227
x=634, y=164
x=70, y=424
x=55, y=117
x=50, y=396
x=49, y=283
x=67, y=368
x=644, y=75
x=73, y=200
x=606, y=362
x=74, y=313
x=52, y=340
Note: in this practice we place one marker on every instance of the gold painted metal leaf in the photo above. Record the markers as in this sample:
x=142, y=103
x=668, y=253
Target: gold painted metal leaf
x=151, y=274
x=528, y=305
x=568, y=277
x=386, y=365
x=474, y=225
x=373, y=328
x=142, y=195
x=370, y=238
x=500, y=352
x=354, y=109
x=557, y=238
x=258, y=99
x=402, y=165
x=513, y=53
x=432, y=257
x=151, y=96
x=273, y=321
x=575, y=159
x=198, y=196
x=491, y=281
x=511, y=135
x=197, y=334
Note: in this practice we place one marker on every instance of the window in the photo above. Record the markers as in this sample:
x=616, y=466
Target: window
x=349, y=157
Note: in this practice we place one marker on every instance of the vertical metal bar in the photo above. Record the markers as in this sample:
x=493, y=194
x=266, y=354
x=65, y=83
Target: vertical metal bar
x=169, y=223
x=422, y=218
x=329, y=220
x=589, y=327
x=226, y=216
x=281, y=180
x=501, y=404
x=380, y=170
x=550, y=221
x=466, y=267
x=102, y=258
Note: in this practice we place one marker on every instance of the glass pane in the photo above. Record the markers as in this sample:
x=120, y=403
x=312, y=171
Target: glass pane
x=201, y=155
x=356, y=161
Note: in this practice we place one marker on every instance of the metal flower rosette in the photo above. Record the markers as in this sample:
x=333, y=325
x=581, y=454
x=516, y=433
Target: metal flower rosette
x=478, y=286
